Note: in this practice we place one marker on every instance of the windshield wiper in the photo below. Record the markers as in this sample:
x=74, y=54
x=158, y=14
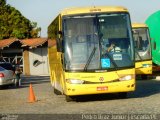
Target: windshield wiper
x=89, y=59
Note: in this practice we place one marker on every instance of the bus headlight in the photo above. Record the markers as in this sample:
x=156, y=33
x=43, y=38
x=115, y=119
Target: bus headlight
x=127, y=77
x=75, y=81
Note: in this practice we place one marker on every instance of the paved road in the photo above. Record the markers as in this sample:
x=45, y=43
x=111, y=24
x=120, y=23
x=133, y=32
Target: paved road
x=145, y=100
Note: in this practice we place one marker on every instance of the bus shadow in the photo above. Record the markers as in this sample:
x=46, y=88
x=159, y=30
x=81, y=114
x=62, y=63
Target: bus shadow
x=96, y=97
x=145, y=88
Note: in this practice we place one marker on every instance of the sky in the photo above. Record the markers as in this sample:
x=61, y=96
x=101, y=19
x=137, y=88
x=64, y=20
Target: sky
x=44, y=11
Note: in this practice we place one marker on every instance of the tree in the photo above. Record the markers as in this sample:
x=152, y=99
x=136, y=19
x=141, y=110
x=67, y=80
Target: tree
x=14, y=24
x=36, y=30
x=2, y=2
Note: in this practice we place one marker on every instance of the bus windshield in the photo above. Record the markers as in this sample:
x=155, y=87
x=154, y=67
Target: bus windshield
x=142, y=43
x=88, y=37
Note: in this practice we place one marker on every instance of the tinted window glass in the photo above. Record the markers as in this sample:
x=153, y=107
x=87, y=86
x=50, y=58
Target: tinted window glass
x=7, y=66
x=1, y=69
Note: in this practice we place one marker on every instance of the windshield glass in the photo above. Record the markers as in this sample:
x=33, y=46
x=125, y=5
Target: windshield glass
x=87, y=39
x=142, y=43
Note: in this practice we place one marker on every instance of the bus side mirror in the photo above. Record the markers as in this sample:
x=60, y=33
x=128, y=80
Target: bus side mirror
x=59, y=45
x=59, y=42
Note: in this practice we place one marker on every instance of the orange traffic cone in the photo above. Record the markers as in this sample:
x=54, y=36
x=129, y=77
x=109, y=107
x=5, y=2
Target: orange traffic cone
x=32, y=97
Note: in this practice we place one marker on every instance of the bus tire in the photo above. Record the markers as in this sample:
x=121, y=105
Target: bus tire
x=144, y=77
x=122, y=95
x=68, y=98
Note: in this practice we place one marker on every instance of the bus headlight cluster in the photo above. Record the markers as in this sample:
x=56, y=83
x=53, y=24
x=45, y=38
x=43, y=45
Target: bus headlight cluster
x=75, y=81
x=127, y=77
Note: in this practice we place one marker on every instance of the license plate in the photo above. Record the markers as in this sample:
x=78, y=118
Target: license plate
x=102, y=88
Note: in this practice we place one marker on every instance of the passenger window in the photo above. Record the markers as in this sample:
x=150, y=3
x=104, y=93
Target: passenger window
x=7, y=66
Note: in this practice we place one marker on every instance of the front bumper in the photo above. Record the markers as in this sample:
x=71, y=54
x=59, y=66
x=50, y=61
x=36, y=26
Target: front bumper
x=113, y=87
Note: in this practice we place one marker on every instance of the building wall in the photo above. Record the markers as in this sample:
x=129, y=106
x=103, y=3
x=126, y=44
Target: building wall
x=38, y=61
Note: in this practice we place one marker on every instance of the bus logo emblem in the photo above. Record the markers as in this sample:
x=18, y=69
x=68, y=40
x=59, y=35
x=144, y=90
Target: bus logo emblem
x=101, y=79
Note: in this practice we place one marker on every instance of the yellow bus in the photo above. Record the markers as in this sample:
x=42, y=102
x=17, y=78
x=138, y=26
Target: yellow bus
x=79, y=61
x=143, y=55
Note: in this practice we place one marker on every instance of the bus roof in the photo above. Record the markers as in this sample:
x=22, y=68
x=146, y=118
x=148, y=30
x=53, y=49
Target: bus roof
x=93, y=9
x=139, y=25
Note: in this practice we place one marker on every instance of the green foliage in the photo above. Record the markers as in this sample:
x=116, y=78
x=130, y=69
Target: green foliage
x=34, y=32
x=2, y=2
x=14, y=24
